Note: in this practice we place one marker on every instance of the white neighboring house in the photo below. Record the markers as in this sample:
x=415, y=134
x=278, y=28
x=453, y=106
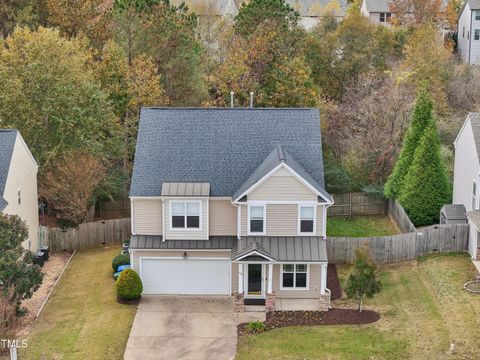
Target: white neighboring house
x=469, y=32
x=466, y=177
x=18, y=183
x=378, y=11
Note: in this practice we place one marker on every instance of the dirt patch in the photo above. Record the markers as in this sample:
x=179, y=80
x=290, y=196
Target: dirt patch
x=278, y=319
x=128, y=302
x=51, y=272
x=333, y=282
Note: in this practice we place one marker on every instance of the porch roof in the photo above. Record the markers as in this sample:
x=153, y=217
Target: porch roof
x=284, y=248
x=156, y=242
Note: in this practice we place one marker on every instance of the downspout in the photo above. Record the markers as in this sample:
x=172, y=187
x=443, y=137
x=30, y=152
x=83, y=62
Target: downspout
x=325, y=237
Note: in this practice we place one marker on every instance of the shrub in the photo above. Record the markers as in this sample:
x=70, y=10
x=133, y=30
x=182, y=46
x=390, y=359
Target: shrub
x=122, y=259
x=128, y=285
x=256, y=327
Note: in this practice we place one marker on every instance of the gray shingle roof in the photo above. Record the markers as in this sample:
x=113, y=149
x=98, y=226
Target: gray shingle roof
x=221, y=146
x=311, y=7
x=475, y=122
x=378, y=5
x=7, y=143
x=3, y=203
x=473, y=4
x=288, y=248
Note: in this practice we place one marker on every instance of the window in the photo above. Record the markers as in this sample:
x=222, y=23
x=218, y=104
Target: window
x=19, y=197
x=476, y=35
x=294, y=276
x=385, y=17
x=307, y=220
x=185, y=215
x=257, y=219
x=477, y=15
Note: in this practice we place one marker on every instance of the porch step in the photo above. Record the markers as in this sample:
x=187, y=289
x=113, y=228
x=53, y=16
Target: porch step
x=254, y=308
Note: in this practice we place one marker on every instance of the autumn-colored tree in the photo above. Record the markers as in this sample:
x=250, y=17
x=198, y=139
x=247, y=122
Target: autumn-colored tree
x=417, y=12
x=167, y=34
x=251, y=14
x=50, y=94
x=69, y=184
x=429, y=63
x=18, y=12
x=452, y=12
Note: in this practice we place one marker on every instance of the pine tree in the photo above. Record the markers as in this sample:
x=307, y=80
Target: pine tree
x=426, y=186
x=421, y=118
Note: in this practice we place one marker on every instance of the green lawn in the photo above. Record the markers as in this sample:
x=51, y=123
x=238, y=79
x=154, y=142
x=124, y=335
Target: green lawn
x=82, y=319
x=423, y=310
x=361, y=226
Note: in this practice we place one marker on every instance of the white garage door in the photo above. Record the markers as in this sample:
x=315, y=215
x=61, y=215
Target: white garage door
x=192, y=276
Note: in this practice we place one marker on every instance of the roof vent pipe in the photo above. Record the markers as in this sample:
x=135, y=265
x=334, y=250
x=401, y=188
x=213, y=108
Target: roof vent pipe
x=231, y=98
x=251, y=99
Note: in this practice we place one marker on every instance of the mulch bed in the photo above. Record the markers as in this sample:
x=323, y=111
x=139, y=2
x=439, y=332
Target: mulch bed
x=128, y=302
x=278, y=319
x=333, y=283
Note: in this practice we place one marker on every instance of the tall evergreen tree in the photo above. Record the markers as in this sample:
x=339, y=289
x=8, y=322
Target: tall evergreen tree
x=421, y=118
x=426, y=186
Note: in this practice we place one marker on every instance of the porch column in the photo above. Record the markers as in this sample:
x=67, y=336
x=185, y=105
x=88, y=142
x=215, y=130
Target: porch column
x=240, y=278
x=323, y=278
x=269, y=279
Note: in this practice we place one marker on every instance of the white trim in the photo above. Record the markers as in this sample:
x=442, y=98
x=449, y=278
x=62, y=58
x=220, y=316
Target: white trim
x=207, y=214
x=132, y=218
x=131, y=251
x=239, y=221
x=183, y=249
x=200, y=215
x=255, y=253
x=264, y=220
x=294, y=173
x=146, y=197
x=270, y=278
x=185, y=198
x=282, y=202
x=323, y=278
x=164, y=228
x=299, y=214
x=240, y=278
x=294, y=288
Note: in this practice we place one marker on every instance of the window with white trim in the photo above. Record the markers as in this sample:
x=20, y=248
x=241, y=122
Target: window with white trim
x=476, y=34
x=294, y=276
x=477, y=14
x=257, y=219
x=385, y=17
x=307, y=219
x=185, y=215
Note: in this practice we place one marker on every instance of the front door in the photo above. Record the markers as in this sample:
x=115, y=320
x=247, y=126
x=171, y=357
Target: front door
x=254, y=280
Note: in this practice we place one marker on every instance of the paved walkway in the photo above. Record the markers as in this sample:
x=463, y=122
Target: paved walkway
x=175, y=327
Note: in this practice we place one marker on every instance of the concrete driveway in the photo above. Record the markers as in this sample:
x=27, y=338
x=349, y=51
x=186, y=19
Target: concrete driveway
x=176, y=327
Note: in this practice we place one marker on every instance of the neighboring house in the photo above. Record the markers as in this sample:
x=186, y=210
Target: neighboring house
x=231, y=201
x=466, y=177
x=18, y=183
x=378, y=11
x=468, y=37
x=310, y=11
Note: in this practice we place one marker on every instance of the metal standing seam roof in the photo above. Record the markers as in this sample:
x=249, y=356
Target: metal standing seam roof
x=288, y=248
x=221, y=146
x=7, y=144
x=156, y=242
x=238, y=253
x=454, y=211
x=185, y=189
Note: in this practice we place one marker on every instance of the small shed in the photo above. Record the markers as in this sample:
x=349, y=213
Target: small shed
x=453, y=214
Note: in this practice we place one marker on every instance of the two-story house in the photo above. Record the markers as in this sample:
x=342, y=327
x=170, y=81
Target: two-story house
x=468, y=37
x=466, y=177
x=377, y=11
x=18, y=183
x=231, y=201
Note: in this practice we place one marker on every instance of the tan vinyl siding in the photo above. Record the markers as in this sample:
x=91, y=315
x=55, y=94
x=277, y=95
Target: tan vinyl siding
x=244, y=220
x=137, y=254
x=320, y=220
x=22, y=176
x=282, y=185
x=187, y=234
x=147, y=216
x=222, y=217
x=314, y=284
x=282, y=220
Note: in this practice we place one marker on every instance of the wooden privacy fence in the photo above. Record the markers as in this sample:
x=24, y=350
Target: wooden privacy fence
x=400, y=217
x=88, y=235
x=401, y=247
x=357, y=204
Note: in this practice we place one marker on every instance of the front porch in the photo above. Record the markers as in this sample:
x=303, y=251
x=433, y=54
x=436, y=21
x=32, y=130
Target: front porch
x=278, y=280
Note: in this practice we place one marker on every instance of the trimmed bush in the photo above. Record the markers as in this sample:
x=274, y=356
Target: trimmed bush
x=256, y=327
x=128, y=285
x=122, y=259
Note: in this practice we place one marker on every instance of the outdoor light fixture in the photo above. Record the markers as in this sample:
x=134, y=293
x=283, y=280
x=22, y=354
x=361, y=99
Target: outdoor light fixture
x=185, y=255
